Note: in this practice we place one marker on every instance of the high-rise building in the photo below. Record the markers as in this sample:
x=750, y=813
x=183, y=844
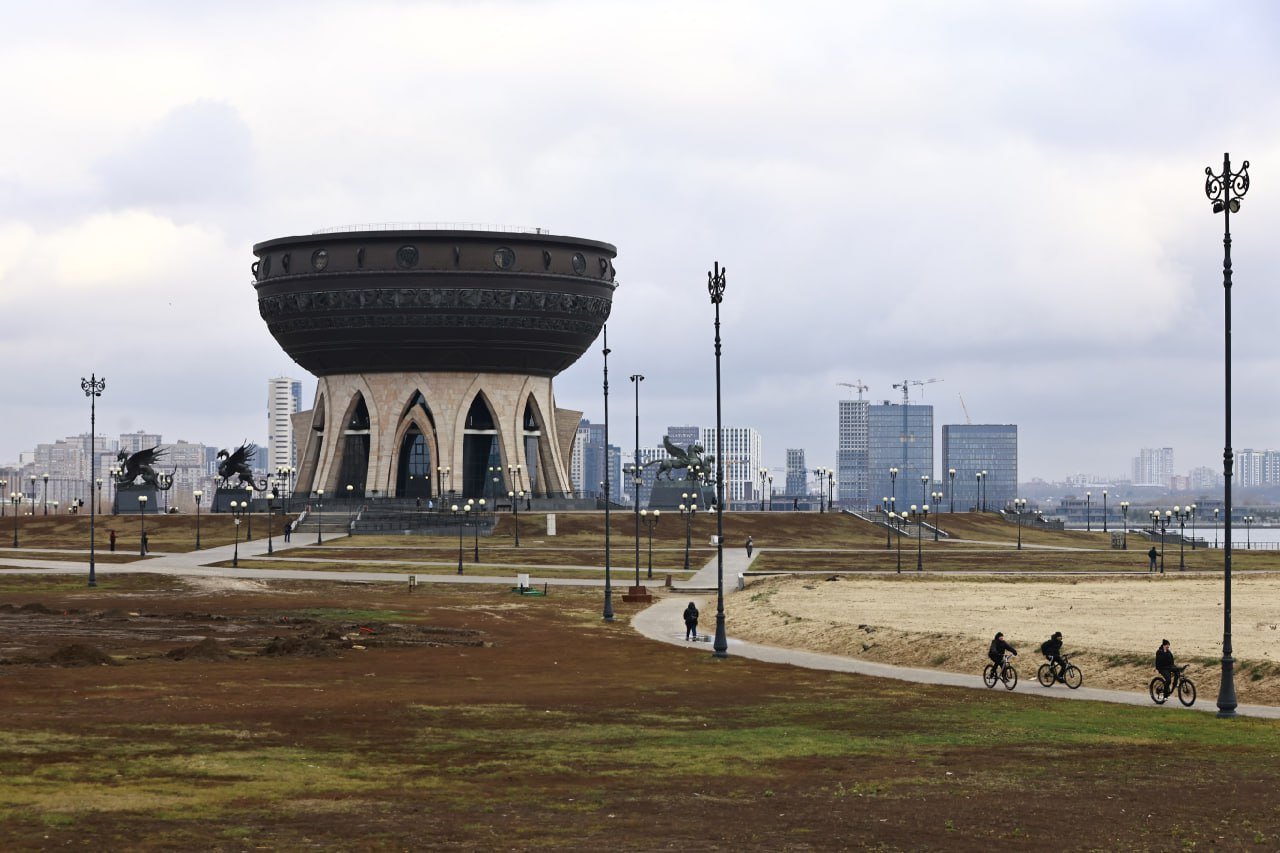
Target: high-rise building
x=1153, y=466
x=740, y=461
x=971, y=449
x=284, y=398
x=899, y=437
x=589, y=449
x=851, y=454
x=796, y=475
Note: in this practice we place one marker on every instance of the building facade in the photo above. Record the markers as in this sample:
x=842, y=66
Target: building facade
x=284, y=400
x=972, y=449
x=899, y=437
x=1153, y=466
x=740, y=461
x=796, y=474
x=851, y=454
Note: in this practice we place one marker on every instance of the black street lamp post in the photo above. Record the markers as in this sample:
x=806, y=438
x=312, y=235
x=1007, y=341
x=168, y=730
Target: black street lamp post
x=271, y=493
x=46, y=494
x=831, y=483
x=142, y=520
x=1181, y=513
x=1164, y=527
x=97, y=481
x=1224, y=192
x=16, y=499
x=4, y=499
x=951, y=473
x=516, y=497
x=236, y=508
x=650, y=522
x=893, y=487
x=770, y=493
x=197, y=494
x=924, y=487
x=1104, y=511
x=479, y=508
x=441, y=473
x=1124, y=510
x=817, y=476
x=636, y=379
x=319, y=509
x=937, y=502
x=897, y=521
x=608, y=555
x=884, y=510
x=1019, y=506
x=1088, y=518
x=764, y=472
x=1248, y=532
x=920, y=516
x=93, y=388
x=1192, y=510
x=457, y=519
x=1215, y=528
x=720, y=648
x=688, y=510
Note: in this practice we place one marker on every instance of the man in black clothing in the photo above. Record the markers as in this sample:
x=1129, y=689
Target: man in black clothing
x=1151, y=559
x=1165, y=665
x=997, y=649
x=691, y=622
x=1052, y=649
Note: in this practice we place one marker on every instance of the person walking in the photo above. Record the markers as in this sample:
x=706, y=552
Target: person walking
x=1151, y=557
x=691, y=622
x=112, y=540
x=749, y=546
x=288, y=530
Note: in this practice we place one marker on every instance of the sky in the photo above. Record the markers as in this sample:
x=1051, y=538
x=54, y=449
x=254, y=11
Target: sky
x=1006, y=197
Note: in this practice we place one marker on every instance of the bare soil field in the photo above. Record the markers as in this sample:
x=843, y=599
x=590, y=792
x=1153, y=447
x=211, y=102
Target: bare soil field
x=1111, y=625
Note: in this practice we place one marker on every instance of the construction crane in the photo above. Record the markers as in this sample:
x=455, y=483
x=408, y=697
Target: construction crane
x=967, y=420
x=858, y=385
x=906, y=437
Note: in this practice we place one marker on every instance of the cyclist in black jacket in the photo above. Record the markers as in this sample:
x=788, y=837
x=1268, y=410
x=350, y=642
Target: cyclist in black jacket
x=1052, y=649
x=997, y=649
x=1165, y=665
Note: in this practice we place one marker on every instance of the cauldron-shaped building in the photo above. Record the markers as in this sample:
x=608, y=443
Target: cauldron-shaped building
x=435, y=352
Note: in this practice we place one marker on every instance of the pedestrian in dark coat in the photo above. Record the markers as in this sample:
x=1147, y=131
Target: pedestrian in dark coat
x=691, y=622
x=113, y=540
x=749, y=546
x=1151, y=556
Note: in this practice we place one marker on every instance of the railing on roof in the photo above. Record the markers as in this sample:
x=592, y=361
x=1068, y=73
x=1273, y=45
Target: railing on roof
x=433, y=226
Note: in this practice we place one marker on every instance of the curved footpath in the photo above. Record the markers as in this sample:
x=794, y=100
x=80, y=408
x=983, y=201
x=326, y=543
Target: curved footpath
x=661, y=622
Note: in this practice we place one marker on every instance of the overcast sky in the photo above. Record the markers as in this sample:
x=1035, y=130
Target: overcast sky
x=1008, y=197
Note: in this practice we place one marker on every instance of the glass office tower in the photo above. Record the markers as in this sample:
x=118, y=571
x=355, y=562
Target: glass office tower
x=970, y=448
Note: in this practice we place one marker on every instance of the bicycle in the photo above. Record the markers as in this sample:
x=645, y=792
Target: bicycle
x=1185, y=688
x=1007, y=674
x=1071, y=674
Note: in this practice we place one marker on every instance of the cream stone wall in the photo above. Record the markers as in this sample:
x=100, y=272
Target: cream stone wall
x=449, y=397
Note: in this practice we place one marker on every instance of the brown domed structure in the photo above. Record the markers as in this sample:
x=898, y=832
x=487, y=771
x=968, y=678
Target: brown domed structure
x=435, y=351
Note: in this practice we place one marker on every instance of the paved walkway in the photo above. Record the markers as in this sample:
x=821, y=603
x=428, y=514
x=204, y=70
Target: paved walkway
x=661, y=621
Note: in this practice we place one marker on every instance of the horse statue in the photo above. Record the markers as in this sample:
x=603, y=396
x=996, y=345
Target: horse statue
x=235, y=463
x=141, y=464
x=691, y=459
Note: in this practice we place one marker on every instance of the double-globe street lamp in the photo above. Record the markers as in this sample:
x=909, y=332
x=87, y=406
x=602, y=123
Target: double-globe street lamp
x=688, y=509
x=951, y=474
x=237, y=507
x=764, y=472
x=893, y=487
x=650, y=520
x=46, y=494
x=16, y=499
x=1124, y=511
x=1019, y=507
x=458, y=512
x=515, y=498
x=441, y=473
x=93, y=388
x=319, y=510
x=720, y=647
x=898, y=521
x=982, y=504
x=1088, y=517
x=1104, y=511
x=198, y=495
x=478, y=506
x=919, y=516
x=1224, y=192
x=1182, y=513
x=937, y=502
x=1248, y=532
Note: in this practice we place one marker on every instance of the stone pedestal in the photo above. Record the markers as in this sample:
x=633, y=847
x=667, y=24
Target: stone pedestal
x=638, y=594
x=222, y=499
x=669, y=494
x=126, y=501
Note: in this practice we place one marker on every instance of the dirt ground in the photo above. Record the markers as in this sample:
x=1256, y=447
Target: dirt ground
x=243, y=715
x=1111, y=625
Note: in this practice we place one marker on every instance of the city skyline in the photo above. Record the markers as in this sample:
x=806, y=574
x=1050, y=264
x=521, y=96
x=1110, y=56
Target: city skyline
x=906, y=192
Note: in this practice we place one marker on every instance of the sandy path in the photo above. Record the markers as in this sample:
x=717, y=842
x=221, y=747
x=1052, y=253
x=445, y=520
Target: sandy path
x=1112, y=625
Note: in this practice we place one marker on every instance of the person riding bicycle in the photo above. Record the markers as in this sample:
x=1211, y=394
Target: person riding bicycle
x=1165, y=666
x=1052, y=649
x=997, y=650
